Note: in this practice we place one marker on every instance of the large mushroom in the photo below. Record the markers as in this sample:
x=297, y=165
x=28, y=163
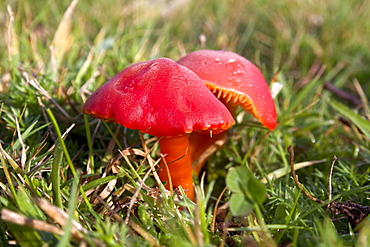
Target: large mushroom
x=163, y=99
x=236, y=82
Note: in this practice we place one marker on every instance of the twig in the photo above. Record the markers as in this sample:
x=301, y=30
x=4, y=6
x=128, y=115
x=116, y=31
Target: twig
x=213, y=224
x=342, y=94
x=299, y=185
x=330, y=189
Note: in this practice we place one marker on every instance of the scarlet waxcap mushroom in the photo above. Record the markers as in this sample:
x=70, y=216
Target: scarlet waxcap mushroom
x=235, y=80
x=164, y=99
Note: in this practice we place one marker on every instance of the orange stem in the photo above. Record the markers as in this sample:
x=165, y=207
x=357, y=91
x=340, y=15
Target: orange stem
x=178, y=159
x=202, y=146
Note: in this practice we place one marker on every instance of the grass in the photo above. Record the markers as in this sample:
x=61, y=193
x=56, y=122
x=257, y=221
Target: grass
x=64, y=181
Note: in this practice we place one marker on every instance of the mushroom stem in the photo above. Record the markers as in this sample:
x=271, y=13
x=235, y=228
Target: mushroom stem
x=178, y=159
x=202, y=146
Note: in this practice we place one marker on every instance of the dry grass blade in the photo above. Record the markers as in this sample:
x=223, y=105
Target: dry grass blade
x=144, y=154
x=143, y=233
x=132, y=151
x=191, y=235
x=62, y=41
x=141, y=184
x=24, y=148
x=13, y=217
x=285, y=170
x=61, y=217
x=364, y=100
x=113, y=167
x=11, y=37
x=330, y=188
x=151, y=161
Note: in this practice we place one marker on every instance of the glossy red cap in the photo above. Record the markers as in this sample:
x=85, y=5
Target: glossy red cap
x=234, y=78
x=161, y=98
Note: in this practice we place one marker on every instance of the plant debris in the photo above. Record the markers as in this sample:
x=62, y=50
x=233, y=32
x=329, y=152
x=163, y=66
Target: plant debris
x=355, y=213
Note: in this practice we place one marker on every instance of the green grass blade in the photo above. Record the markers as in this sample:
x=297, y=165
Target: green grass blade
x=62, y=143
x=113, y=135
x=361, y=123
x=96, y=182
x=55, y=174
x=306, y=92
x=7, y=173
x=71, y=207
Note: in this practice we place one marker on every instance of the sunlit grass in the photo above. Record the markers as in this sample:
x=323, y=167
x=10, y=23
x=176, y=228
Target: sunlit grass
x=100, y=177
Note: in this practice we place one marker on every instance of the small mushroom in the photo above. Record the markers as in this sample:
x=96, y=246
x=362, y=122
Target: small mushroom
x=235, y=81
x=163, y=99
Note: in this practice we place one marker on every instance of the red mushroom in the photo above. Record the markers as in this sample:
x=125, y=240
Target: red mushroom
x=235, y=81
x=167, y=100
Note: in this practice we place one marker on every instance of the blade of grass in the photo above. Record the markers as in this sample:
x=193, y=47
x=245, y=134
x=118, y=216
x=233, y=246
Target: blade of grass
x=302, y=95
x=55, y=174
x=113, y=135
x=364, y=100
x=11, y=37
x=258, y=228
x=16, y=218
x=286, y=170
x=64, y=241
x=62, y=41
x=289, y=217
x=361, y=123
x=62, y=143
x=99, y=181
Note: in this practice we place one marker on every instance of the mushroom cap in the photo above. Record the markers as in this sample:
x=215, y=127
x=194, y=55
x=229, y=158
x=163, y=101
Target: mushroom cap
x=234, y=79
x=161, y=98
